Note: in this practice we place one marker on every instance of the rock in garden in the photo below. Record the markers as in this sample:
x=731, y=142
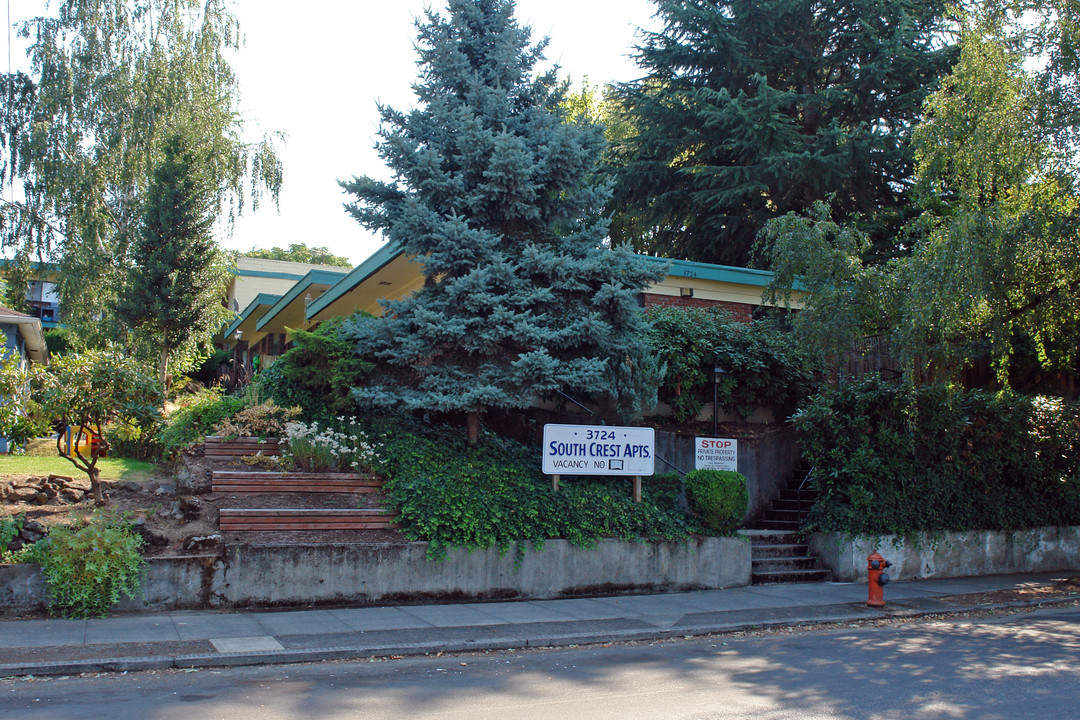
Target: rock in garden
x=192, y=478
x=32, y=531
x=203, y=543
x=22, y=495
x=152, y=539
x=174, y=511
x=71, y=495
x=126, y=486
x=79, y=483
x=191, y=506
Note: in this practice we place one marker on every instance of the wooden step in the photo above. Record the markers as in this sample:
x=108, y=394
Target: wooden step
x=245, y=482
x=217, y=447
x=254, y=520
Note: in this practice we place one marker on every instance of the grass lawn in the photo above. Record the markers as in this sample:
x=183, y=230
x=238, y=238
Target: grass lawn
x=111, y=468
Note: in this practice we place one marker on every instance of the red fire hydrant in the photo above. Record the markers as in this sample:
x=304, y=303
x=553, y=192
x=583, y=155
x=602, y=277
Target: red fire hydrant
x=877, y=579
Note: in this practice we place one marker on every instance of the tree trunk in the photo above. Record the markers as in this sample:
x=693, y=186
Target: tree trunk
x=95, y=486
x=472, y=422
x=163, y=369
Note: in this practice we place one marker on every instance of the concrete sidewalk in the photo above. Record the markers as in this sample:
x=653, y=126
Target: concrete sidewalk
x=210, y=638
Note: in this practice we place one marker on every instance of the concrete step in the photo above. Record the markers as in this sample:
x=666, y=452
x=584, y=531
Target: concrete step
x=792, y=576
x=762, y=536
x=774, y=564
x=796, y=505
x=778, y=550
x=805, y=495
x=779, y=514
x=786, y=525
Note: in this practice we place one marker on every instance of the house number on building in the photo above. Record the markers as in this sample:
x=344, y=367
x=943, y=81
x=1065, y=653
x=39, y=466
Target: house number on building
x=598, y=450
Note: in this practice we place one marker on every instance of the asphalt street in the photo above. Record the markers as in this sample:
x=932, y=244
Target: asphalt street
x=988, y=664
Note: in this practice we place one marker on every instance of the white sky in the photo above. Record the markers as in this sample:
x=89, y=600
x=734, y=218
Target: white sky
x=314, y=71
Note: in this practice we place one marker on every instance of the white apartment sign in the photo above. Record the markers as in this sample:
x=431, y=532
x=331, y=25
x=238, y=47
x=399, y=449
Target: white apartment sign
x=716, y=454
x=598, y=450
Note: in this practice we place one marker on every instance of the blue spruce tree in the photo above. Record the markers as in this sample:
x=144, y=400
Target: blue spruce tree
x=493, y=194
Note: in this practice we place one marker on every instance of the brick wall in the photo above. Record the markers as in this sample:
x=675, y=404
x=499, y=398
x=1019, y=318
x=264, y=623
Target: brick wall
x=740, y=311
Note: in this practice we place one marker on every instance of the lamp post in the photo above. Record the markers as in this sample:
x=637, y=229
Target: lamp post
x=717, y=372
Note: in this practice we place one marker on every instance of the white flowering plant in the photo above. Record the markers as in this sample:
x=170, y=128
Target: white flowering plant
x=314, y=448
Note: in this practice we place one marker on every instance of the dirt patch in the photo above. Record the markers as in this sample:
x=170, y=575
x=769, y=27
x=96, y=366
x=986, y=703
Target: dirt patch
x=174, y=506
x=1070, y=587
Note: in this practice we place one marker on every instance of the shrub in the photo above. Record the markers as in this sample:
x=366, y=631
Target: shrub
x=720, y=497
x=87, y=569
x=764, y=366
x=891, y=459
x=59, y=340
x=130, y=440
x=264, y=419
x=318, y=372
x=329, y=449
x=197, y=418
x=10, y=527
x=493, y=494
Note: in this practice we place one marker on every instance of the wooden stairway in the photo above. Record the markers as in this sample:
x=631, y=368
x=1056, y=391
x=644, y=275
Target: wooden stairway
x=253, y=482
x=241, y=481
x=260, y=520
x=777, y=552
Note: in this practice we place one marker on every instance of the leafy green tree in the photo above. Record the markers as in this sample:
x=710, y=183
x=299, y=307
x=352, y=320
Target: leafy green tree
x=110, y=80
x=174, y=287
x=994, y=266
x=298, y=252
x=750, y=110
x=86, y=391
x=18, y=422
x=492, y=194
x=1000, y=261
x=843, y=297
x=763, y=365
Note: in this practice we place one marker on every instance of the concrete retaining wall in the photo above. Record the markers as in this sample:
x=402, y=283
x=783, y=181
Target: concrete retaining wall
x=379, y=574
x=960, y=554
x=767, y=461
x=22, y=589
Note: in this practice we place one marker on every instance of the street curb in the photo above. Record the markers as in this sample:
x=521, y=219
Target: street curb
x=855, y=612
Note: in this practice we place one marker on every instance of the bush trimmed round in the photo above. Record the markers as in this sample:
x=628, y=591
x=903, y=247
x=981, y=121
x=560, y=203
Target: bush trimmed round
x=720, y=498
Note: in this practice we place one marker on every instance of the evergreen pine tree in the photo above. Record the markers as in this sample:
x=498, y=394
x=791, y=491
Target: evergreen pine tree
x=493, y=196
x=173, y=289
x=754, y=108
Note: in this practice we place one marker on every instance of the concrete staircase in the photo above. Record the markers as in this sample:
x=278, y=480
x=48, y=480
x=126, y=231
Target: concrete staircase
x=777, y=552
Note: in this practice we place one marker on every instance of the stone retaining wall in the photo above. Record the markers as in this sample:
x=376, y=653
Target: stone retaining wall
x=268, y=576
x=957, y=554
